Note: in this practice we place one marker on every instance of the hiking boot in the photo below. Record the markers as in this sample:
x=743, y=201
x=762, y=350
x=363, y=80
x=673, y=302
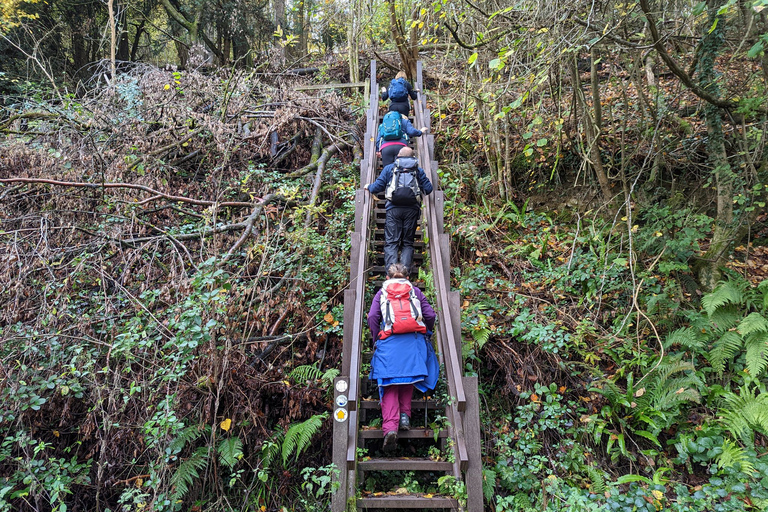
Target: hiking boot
x=405, y=422
x=390, y=441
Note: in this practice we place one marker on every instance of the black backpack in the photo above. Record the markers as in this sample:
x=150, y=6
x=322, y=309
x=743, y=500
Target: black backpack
x=403, y=189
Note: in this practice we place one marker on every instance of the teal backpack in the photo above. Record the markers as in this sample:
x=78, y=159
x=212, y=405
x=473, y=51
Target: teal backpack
x=391, y=128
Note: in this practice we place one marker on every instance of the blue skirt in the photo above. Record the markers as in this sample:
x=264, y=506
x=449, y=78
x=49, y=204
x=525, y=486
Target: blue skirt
x=405, y=359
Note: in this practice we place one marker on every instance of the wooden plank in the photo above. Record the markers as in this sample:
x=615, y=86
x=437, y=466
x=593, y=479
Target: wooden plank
x=351, y=427
x=329, y=86
x=359, y=205
x=444, y=240
x=414, y=433
x=439, y=209
x=415, y=404
x=408, y=501
x=454, y=305
x=356, y=251
x=340, y=430
x=346, y=340
x=402, y=464
x=474, y=473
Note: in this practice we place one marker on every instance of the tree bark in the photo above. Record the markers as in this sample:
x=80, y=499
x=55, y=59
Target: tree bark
x=725, y=228
x=592, y=132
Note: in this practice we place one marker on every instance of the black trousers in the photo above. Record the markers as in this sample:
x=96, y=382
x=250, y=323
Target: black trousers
x=389, y=153
x=404, y=107
x=399, y=232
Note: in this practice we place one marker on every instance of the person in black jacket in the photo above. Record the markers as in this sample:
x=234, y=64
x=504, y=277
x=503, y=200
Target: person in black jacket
x=401, y=105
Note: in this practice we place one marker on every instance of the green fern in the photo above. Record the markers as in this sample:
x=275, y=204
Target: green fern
x=299, y=434
x=735, y=454
x=481, y=336
x=757, y=353
x=489, y=484
x=725, y=293
x=186, y=436
x=724, y=350
x=271, y=449
x=230, y=451
x=687, y=337
x=328, y=377
x=187, y=472
x=597, y=479
x=304, y=373
x=745, y=413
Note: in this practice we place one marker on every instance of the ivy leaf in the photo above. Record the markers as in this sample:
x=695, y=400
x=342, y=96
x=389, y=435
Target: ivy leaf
x=755, y=50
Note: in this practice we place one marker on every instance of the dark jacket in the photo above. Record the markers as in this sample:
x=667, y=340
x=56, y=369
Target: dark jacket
x=409, y=130
x=381, y=182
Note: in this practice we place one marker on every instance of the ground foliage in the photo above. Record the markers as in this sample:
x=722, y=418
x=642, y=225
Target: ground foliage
x=170, y=347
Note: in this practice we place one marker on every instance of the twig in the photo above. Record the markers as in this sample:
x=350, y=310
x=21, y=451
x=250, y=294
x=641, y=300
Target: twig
x=129, y=480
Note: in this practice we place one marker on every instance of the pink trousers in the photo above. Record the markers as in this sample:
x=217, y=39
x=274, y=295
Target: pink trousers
x=396, y=400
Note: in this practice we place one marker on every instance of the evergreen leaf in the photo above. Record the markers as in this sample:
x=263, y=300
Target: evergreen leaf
x=724, y=349
x=724, y=293
x=299, y=434
x=187, y=472
x=230, y=451
x=752, y=323
x=757, y=353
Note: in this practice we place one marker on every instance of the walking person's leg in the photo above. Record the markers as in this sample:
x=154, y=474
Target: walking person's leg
x=390, y=413
x=403, y=107
x=405, y=395
x=392, y=235
x=410, y=221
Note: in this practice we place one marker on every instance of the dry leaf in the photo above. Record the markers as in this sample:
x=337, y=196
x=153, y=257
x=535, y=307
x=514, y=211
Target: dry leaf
x=328, y=318
x=226, y=424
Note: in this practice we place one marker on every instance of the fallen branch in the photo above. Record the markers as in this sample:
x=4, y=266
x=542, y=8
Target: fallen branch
x=251, y=220
x=328, y=152
x=157, y=193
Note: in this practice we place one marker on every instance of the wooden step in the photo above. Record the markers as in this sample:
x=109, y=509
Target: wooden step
x=415, y=404
x=403, y=464
x=407, y=501
x=414, y=433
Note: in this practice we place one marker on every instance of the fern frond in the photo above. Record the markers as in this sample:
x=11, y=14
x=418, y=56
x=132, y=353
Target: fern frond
x=187, y=472
x=271, y=448
x=328, y=377
x=481, y=336
x=302, y=374
x=687, y=337
x=753, y=323
x=184, y=437
x=744, y=413
x=597, y=479
x=724, y=318
x=735, y=454
x=230, y=451
x=724, y=293
x=724, y=349
x=299, y=434
x=757, y=353
x=489, y=484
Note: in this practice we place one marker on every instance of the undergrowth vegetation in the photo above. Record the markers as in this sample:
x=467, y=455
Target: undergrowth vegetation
x=172, y=314
x=613, y=382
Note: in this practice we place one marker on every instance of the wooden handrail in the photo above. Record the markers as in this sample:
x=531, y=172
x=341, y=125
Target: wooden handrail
x=448, y=338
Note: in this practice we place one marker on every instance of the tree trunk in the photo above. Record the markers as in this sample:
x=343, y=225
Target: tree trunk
x=725, y=228
x=280, y=27
x=592, y=132
x=408, y=50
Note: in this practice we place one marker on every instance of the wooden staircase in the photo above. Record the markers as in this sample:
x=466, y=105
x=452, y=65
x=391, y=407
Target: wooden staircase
x=357, y=439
